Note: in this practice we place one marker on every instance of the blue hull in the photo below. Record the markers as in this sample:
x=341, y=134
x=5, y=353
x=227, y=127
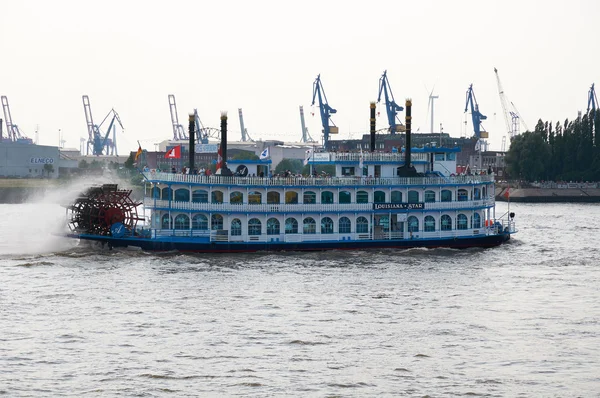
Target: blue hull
x=185, y=245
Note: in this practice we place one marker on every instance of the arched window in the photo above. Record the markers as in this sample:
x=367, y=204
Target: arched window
x=476, y=220
x=156, y=192
x=476, y=194
x=254, y=227
x=216, y=221
x=236, y=198
x=378, y=197
x=310, y=226
x=461, y=222
x=182, y=195
x=273, y=198
x=326, y=225
x=429, y=224
x=309, y=197
x=413, y=196
x=291, y=226
x=216, y=197
x=200, y=196
x=165, y=221
x=362, y=225
x=344, y=225
x=413, y=224
x=446, y=196
x=429, y=196
x=446, y=223
x=272, y=226
x=362, y=197
x=182, y=221
x=345, y=197
x=291, y=197
x=326, y=197
x=254, y=198
x=166, y=193
x=236, y=227
x=199, y=221
x=396, y=197
x=463, y=195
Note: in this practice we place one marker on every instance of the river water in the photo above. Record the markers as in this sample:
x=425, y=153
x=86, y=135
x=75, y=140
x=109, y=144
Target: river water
x=518, y=320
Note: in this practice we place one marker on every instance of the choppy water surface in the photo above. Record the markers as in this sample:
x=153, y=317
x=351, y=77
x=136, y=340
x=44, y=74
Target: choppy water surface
x=519, y=320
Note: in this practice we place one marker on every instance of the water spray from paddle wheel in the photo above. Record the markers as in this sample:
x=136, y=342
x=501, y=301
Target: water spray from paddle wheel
x=99, y=207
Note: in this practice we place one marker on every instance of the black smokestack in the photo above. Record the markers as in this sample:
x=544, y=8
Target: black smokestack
x=407, y=158
x=191, y=133
x=224, y=136
x=224, y=171
x=372, y=120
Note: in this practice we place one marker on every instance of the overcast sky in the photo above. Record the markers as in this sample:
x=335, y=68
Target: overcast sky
x=263, y=56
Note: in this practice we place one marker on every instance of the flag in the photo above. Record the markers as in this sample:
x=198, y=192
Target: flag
x=507, y=193
x=219, y=158
x=139, y=152
x=307, y=156
x=264, y=154
x=174, y=153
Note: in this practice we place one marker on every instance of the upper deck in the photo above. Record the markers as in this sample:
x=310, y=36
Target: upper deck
x=192, y=179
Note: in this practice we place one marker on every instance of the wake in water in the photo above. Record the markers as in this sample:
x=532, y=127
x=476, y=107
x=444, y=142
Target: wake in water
x=35, y=227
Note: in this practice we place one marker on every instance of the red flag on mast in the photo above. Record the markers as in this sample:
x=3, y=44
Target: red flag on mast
x=174, y=153
x=507, y=193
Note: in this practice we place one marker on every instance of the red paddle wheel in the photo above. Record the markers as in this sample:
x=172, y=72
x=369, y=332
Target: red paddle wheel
x=100, y=207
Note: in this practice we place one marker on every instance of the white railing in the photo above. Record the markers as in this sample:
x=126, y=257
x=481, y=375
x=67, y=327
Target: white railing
x=300, y=208
x=374, y=157
x=162, y=177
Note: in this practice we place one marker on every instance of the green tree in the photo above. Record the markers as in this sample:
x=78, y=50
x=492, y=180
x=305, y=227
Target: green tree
x=129, y=162
x=293, y=165
x=245, y=155
x=83, y=164
x=48, y=169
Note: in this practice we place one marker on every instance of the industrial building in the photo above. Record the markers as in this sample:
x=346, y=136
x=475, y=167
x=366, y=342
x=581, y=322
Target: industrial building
x=28, y=160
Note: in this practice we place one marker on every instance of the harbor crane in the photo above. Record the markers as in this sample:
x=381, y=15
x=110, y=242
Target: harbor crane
x=12, y=130
x=245, y=135
x=512, y=117
x=391, y=107
x=97, y=141
x=592, y=100
x=178, y=130
x=306, y=138
x=325, y=110
x=475, y=114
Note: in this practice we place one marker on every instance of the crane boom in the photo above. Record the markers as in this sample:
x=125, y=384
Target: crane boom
x=512, y=117
x=476, y=116
x=305, y=134
x=391, y=107
x=12, y=130
x=592, y=100
x=178, y=130
x=325, y=110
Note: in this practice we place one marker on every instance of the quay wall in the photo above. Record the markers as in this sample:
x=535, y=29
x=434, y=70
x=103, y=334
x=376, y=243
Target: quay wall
x=549, y=195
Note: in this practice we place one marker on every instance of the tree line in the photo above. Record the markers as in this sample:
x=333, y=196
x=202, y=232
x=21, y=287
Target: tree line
x=568, y=151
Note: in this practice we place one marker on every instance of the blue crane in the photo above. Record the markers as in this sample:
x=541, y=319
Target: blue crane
x=475, y=114
x=592, y=100
x=391, y=107
x=325, y=110
x=104, y=142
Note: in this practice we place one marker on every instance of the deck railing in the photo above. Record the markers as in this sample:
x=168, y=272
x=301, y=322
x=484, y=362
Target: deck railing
x=302, y=208
x=172, y=178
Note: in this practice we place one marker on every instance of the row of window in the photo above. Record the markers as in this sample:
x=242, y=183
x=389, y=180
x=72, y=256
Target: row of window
x=309, y=197
x=309, y=225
